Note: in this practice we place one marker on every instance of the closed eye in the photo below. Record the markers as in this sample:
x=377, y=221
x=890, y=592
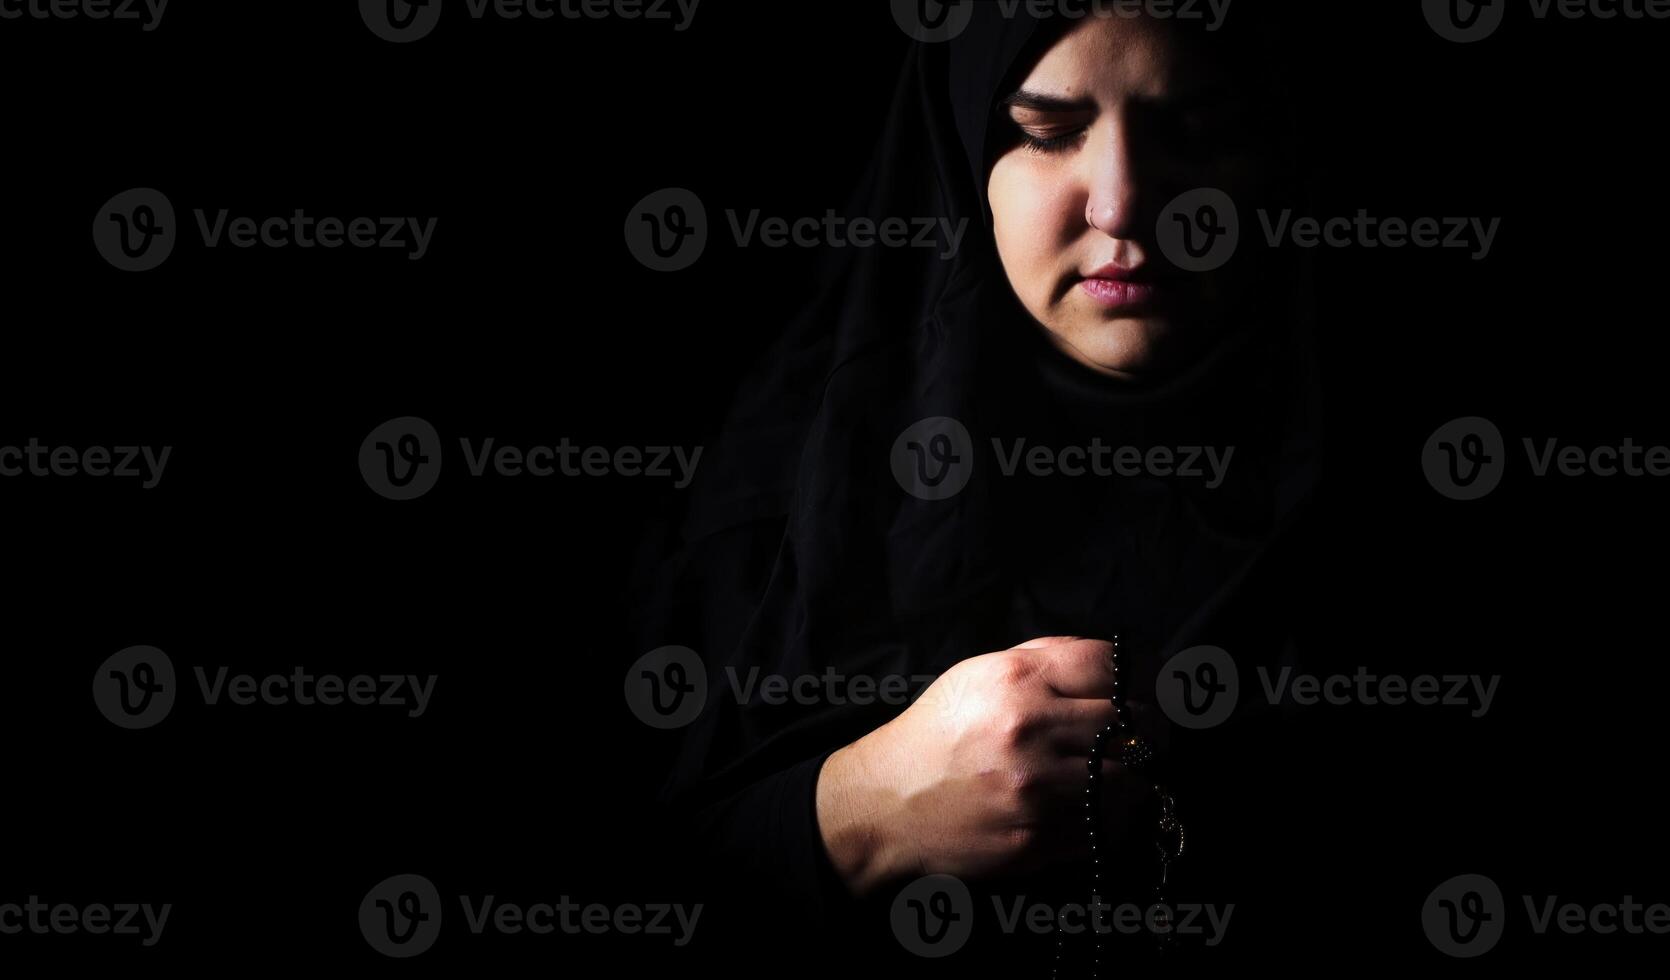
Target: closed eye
x=1052, y=142
x=1048, y=124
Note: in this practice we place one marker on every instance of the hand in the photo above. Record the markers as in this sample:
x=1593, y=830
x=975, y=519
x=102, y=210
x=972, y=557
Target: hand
x=985, y=773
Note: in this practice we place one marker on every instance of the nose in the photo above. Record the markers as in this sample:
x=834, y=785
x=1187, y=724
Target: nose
x=1113, y=198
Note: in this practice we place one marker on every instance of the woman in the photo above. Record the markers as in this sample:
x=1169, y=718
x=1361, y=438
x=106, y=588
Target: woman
x=878, y=506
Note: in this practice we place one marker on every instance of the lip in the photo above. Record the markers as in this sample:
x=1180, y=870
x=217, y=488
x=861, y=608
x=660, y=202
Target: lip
x=1116, y=288
x=1115, y=294
x=1119, y=273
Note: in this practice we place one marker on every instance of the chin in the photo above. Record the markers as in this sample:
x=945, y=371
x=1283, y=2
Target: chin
x=1127, y=348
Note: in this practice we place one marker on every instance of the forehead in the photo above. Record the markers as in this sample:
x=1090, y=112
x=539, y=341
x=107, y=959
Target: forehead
x=1111, y=57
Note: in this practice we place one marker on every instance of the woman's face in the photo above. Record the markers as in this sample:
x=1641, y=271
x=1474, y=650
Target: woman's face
x=1114, y=121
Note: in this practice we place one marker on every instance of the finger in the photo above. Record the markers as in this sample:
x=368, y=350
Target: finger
x=1045, y=641
x=1077, y=669
x=1067, y=777
x=1069, y=725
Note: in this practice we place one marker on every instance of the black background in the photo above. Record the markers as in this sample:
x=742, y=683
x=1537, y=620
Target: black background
x=529, y=321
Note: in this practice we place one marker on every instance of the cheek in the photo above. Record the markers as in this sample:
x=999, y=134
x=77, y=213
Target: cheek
x=1035, y=220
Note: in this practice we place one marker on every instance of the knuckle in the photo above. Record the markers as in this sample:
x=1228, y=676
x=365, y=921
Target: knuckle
x=1014, y=726
x=1020, y=838
x=1020, y=784
x=1101, y=648
x=1016, y=671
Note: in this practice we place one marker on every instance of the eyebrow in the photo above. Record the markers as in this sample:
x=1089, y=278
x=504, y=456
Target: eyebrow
x=1040, y=102
x=1022, y=99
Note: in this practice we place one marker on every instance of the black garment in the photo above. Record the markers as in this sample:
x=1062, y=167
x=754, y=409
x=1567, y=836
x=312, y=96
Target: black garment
x=801, y=551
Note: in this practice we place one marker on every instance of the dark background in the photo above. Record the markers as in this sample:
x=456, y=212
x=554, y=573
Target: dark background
x=529, y=321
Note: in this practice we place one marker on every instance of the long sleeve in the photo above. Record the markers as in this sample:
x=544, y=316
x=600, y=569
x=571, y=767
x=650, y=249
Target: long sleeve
x=742, y=788
x=765, y=838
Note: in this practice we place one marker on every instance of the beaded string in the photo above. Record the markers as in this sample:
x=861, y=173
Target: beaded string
x=1134, y=754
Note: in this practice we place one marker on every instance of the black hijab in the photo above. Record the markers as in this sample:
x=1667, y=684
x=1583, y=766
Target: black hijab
x=801, y=552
